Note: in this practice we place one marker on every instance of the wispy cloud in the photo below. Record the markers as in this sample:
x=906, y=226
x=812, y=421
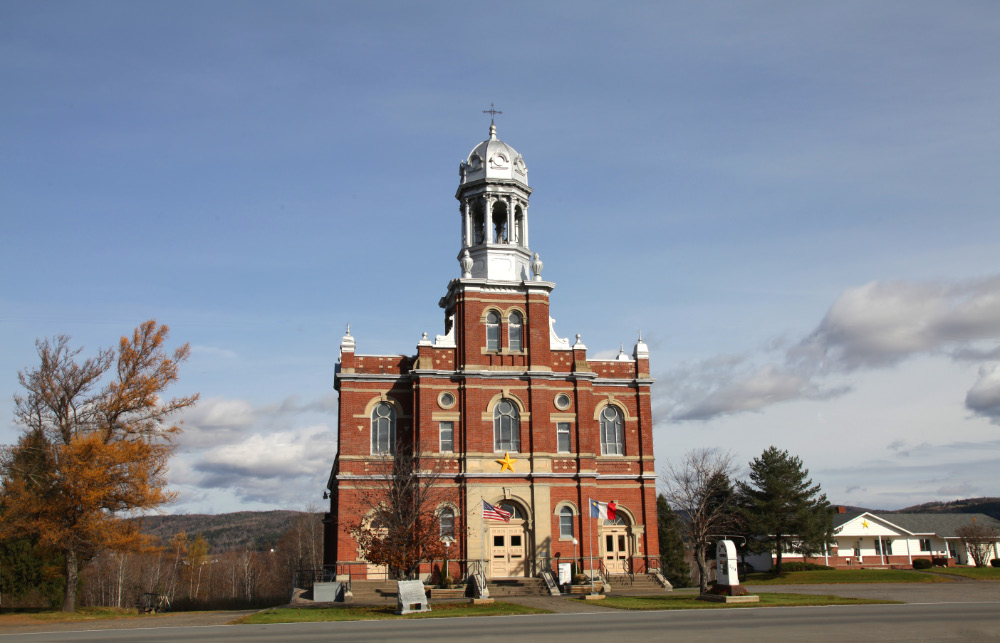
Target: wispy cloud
x=876, y=325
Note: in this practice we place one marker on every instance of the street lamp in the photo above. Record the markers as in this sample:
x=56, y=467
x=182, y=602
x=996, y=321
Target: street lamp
x=575, y=559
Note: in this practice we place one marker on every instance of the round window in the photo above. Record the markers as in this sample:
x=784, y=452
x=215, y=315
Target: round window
x=562, y=401
x=446, y=400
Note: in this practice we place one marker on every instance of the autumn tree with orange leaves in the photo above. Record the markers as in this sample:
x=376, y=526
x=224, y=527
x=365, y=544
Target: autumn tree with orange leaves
x=95, y=449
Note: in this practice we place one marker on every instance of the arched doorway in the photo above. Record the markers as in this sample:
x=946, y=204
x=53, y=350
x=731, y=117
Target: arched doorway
x=616, y=544
x=508, y=543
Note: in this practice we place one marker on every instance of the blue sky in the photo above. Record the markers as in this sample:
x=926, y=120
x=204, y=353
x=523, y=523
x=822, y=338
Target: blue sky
x=797, y=203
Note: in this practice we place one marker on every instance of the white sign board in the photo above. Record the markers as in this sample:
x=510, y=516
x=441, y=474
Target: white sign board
x=565, y=573
x=725, y=557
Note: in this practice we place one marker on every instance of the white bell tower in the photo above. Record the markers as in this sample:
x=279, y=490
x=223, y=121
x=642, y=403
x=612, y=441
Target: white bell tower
x=493, y=192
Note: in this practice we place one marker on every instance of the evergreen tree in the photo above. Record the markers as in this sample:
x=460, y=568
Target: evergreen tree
x=782, y=509
x=673, y=554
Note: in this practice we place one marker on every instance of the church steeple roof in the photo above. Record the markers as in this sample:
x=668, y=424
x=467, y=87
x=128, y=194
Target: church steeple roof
x=494, y=159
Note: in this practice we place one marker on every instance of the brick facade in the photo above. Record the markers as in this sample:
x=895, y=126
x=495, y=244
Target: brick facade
x=479, y=377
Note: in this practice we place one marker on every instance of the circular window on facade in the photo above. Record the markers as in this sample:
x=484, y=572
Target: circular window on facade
x=562, y=401
x=446, y=400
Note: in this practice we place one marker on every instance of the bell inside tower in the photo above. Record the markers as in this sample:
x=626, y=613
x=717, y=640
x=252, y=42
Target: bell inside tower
x=500, y=222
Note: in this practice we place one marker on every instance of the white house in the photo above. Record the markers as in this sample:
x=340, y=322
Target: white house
x=894, y=540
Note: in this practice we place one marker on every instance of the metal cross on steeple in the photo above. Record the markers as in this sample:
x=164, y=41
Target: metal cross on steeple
x=492, y=112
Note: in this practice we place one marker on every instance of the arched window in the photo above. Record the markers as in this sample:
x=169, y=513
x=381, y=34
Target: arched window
x=566, y=522
x=514, y=331
x=492, y=331
x=612, y=432
x=512, y=509
x=506, y=427
x=384, y=428
x=447, y=520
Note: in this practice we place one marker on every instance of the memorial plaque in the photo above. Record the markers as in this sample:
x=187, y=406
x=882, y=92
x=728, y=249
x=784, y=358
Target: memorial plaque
x=725, y=555
x=411, y=597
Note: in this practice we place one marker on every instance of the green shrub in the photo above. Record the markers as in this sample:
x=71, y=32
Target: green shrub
x=995, y=562
x=796, y=566
x=922, y=563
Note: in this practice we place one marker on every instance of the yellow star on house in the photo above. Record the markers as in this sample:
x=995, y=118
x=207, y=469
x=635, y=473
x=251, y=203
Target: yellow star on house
x=864, y=523
x=507, y=462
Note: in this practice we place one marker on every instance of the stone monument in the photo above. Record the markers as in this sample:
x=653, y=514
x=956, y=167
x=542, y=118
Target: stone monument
x=727, y=587
x=411, y=597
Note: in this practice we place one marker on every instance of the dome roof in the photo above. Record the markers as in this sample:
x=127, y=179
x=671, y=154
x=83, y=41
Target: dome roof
x=494, y=159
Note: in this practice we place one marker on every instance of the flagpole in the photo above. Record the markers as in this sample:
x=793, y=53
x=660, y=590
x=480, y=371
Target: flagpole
x=590, y=530
x=482, y=540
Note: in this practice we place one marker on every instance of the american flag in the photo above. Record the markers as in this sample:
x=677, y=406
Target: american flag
x=494, y=513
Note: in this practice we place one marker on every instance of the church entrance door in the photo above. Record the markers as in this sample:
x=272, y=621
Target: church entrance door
x=507, y=551
x=616, y=549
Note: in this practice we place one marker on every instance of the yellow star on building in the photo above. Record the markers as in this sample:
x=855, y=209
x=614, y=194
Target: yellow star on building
x=864, y=523
x=507, y=462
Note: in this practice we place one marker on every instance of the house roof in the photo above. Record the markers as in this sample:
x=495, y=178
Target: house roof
x=939, y=524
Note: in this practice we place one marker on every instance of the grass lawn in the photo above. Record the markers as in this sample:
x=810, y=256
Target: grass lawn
x=842, y=576
x=977, y=573
x=682, y=602
x=372, y=612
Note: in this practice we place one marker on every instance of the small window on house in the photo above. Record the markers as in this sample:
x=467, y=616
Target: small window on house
x=887, y=547
x=612, y=432
x=514, y=323
x=447, y=519
x=384, y=428
x=492, y=331
x=925, y=544
x=562, y=401
x=447, y=431
x=566, y=522
x=562, y=437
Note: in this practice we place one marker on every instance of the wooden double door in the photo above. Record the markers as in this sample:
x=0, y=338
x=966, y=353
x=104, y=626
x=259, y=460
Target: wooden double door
x=508, y=549
x=616, y=549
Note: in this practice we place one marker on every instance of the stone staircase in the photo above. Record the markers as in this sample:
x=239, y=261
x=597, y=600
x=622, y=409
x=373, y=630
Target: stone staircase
x=638, y=585
x=500, y=587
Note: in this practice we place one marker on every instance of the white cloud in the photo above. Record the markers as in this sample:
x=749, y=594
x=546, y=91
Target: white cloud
x=876, y=325
x=984, y=397
x=883, y=323
x=270, y=467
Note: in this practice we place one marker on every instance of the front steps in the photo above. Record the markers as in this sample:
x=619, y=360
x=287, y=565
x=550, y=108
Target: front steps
x=376, y=592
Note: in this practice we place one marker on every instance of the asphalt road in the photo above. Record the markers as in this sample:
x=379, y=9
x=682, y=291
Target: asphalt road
x=913, y=621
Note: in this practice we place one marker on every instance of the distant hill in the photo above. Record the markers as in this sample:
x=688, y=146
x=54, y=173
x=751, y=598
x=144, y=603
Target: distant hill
x=988, y=506
x=256, y=530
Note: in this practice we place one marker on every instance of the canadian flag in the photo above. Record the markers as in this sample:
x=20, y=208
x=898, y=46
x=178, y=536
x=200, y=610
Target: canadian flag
x=604, y=510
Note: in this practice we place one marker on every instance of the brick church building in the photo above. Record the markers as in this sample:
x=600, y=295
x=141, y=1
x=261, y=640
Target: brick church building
x=512, y=413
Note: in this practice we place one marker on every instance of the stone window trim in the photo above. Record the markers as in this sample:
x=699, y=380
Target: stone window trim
x=442, y=399
x=565, y=503
x=610, y=400
x=506, y=427
x=492, y=319
x=562, y=401
x=501, y=327
x=562, y=509
x=443, y=512
x=515, y=331
x=611, y=425
x=384, y=429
